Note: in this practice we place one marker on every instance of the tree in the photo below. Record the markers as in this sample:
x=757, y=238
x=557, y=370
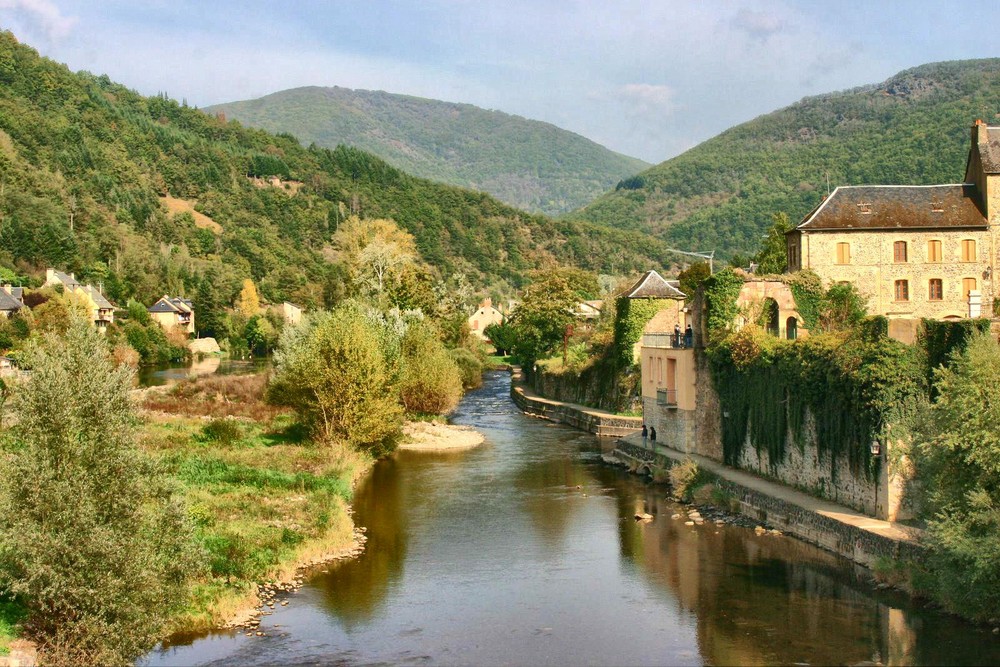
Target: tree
x=375, y=251
x=430, y=381
x=545, y=311
x=692, y=277
x=89, y=537
x=248, y=304
x=958, y=460
x=773, y=256
x=502, y=335
x=333, y=372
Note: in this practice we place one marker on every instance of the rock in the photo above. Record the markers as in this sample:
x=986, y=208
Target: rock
x=689, y=523
x=675, y=516
x=642, y=516
x=775, y=531
x=759, y=530
x=996, y=631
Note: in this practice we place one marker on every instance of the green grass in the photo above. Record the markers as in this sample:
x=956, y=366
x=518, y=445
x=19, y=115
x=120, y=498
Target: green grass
x=11, y=613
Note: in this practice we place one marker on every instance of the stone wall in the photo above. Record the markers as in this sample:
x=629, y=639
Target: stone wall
x=594, y=421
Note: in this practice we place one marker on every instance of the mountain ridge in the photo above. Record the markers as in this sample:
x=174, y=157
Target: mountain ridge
x=527, y=163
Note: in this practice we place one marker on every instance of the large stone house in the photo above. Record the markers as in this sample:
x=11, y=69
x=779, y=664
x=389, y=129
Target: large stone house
x=484, y=316
x=913, y=251
x=102, y=311
x=170, y=312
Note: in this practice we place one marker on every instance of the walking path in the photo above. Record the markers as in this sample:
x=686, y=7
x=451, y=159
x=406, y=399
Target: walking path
x=825, y=508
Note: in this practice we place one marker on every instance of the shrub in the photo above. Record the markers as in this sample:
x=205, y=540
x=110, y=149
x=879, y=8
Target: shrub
x=430, y=380
x=225, y=432
x=470, y=367
x=90, y=539
x=682, y=478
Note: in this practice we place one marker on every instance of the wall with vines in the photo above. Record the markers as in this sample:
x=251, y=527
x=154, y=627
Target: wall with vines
x=631, y=317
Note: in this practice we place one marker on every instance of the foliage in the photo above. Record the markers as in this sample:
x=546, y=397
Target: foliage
x=375, y=252
x=430, y=381
x=721, y=292
x=160, y=202
x=691, y=278
x=958, y=456
x=853, y=385
x=773, y=256
x=469, y=365
x=89, y=537
x=544, y=314
x=333, y=371
x=502, y=335
x=685, y=477
x=944, y=341
x=631, y=316
x=721, y=194
x=526, y=163
x=248, y=304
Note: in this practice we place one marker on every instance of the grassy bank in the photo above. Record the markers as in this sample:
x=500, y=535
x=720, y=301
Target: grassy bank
x=264, y=499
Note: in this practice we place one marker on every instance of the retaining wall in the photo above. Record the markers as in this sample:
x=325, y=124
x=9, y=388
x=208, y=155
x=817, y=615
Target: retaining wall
x=598, y=422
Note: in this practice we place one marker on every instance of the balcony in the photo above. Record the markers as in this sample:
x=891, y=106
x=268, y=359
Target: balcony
x=665, y=341
x=667, y=397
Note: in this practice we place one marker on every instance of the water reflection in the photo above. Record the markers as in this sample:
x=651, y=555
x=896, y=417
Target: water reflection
x=525, y=551
x=163, y=374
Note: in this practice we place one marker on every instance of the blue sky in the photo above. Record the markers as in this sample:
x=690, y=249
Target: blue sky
x=648, y=79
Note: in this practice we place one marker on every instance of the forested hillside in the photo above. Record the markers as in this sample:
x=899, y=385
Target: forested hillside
x=533, y=165
x=150, y=197
x=911, y=129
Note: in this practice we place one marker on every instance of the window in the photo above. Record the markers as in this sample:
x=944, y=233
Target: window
x=968, y=250
x=899, y=251
x=843, y=253
x=968, y=285
x=793, y=255
x=935, y=290
x=659, y=370
x=902, y=290
x=934, y=251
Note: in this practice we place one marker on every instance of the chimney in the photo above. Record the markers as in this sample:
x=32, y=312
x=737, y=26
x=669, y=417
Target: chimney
x=980, y=133
x=50, y=276
x=6, y=288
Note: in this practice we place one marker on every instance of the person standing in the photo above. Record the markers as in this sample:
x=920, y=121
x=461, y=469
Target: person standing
x=677, y=335
x=688, y=337
x=645, y=434
x=652, y=437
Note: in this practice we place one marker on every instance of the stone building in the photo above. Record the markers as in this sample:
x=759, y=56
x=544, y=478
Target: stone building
x=102, y=311
x=913, y=251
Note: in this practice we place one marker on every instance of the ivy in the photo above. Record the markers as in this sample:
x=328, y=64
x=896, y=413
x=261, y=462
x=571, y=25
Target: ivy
x=853, y=384
x=631, y=316
x=941, y=340
x=721, y=292
x=808, y=292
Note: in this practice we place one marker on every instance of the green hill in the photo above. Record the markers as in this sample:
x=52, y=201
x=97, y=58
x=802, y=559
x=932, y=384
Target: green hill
x=151, y=197
x=911, y=129
x=529, y=164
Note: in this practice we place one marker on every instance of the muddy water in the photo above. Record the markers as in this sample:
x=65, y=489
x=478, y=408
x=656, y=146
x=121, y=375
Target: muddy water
x=525, y=552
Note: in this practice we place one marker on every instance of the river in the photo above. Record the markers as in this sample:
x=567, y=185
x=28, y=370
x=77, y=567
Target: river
x=524, y=551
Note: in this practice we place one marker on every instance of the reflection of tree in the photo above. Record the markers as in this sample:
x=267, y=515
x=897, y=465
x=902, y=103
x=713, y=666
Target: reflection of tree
x=537, y=481
x=355, y=589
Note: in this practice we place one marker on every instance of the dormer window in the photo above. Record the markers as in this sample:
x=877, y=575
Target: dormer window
x=865, y=208
x=937, y=206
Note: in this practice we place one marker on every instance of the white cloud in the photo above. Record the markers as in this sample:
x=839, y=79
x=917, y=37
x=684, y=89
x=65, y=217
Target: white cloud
x=649, y=97
x=43, y=14
x=760, y=26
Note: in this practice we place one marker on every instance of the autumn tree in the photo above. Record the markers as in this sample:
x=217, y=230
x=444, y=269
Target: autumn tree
x=375, y=252
x=248, y=303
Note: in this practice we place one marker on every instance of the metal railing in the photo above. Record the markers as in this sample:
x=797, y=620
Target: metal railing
x=666, y=397
x=667, y=340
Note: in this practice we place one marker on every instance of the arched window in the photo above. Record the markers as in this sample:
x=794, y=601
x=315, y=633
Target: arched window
x=771, y=316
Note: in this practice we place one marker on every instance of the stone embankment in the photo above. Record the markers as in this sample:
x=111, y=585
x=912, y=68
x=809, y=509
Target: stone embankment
x=839, y=529
x=599, y=422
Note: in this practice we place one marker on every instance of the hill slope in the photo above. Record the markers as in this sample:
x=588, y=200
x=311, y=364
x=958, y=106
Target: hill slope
x=911, y=129
x=99, y=180
x=529, y=164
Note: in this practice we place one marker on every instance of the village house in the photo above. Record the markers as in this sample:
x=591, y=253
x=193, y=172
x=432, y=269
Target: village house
x=170, y=312
x=291, y=312
x=588, y=310
x=102, y=311
x=484, y=316
x=10, y=300
x=914, y=251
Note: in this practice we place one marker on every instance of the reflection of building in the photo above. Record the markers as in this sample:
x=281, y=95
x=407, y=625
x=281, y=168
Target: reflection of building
x=102, y=311
x=484, y=316
x=170, y=312
x=913, y=251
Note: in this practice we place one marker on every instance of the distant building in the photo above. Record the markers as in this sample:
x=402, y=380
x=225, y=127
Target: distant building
x=10, y=300
x=170, y=312
x=102, y=311
x=913, y=251
x=291, y=312
x=484, y=316
x=588, y=310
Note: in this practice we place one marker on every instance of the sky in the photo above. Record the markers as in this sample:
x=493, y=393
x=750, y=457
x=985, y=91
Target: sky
x=647, y=79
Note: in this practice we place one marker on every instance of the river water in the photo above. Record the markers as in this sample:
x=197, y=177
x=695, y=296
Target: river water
x=524, y=551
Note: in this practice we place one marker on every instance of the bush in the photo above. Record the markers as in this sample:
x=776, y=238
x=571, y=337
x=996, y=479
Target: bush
x=333, y=372
x=90, y=539
x=470, y=367
x=430, y=380
x=225, y=432
x=683, y=477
